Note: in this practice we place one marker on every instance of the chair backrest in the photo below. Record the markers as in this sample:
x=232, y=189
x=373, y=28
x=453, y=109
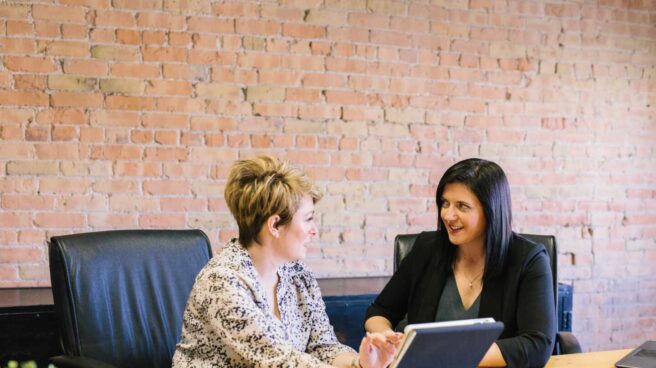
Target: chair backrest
x=120, y=295
x=403, y=245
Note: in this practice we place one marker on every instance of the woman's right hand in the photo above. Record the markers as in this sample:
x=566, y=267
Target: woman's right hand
x=378, y=349
x=388, y=336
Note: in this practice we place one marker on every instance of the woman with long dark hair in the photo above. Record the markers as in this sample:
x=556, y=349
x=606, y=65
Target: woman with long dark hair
x=473, y=266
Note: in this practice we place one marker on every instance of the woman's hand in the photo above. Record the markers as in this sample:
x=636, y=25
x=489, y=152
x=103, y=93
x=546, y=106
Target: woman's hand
x=377, y=350
x=388, y=336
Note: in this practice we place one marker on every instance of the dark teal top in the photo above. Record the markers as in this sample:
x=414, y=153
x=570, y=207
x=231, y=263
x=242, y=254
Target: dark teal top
x=450, y=307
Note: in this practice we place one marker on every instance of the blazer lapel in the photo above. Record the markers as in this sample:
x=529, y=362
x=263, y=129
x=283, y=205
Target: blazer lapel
x=492, y=300
x=429, y=291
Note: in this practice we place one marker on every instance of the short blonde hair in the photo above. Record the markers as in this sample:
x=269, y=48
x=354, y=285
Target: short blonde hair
x=261, y=187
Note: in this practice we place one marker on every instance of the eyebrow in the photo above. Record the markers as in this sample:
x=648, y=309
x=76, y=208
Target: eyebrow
x=458, y=202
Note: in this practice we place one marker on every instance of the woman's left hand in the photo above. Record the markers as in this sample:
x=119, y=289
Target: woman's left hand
x=376, y=353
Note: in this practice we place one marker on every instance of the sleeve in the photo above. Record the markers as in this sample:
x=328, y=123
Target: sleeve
x=323, y=343
x=536, y=317
x=234, y=315
x=392, y=302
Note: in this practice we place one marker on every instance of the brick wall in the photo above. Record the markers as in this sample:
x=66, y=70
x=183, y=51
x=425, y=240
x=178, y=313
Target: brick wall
x=128, y=114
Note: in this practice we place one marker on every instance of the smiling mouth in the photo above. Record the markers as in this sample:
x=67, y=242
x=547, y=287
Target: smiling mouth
x=452, y=228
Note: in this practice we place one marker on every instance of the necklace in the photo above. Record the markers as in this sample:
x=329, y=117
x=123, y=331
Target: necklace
x=471, y=282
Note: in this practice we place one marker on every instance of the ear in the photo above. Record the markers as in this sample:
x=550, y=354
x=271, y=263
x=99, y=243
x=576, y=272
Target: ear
x=272, y=225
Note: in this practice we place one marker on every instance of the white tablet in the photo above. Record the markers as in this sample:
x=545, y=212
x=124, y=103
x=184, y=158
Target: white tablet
x=447, y=344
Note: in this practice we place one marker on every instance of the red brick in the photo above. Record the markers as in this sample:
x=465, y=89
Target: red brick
x=112, y=221
x=345, y=65
x=37, y=134
x=74, y=99
x=160, y=20
x=29, y=82
x=348, y=34
x=19, y=255
x=115, y=186
x=165, y=154
x=11, y=132
x=154, y=37
x=167, y=54
x=116, y=152
x=67, y=48
x=135, y=70
x=17, y=46
x=345, y=98
x=75, y=31
x=324, y=80
x=18, y=185
x=303, y=31
x=19, y=27
x=165, y=221
x=91, y=134
x=128, y=37
x=236, y=10
x=129, y=103
x=86, y=67
x=27, y=202
x=115, y=118
x=102, y=35
x=185, y=170
x=183, y=204
x=156, y=87
x=23, y=98
x=259, y=27
x=302, y=62
x=47, y=29
x=173, y=104
x=390, y=38
x=14, y=11
x=30, y=64
x=57, y=151
x=67, y=14
x=180, y=39
x=56, y=220
x=210, y=25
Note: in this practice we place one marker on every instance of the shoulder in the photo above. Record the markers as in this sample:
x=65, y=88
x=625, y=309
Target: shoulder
x=300, y=276
x=231, y=267
x=523, y=250
x=427, y=242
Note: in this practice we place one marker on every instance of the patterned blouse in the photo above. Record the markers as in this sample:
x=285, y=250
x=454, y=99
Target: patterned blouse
x=228, y=322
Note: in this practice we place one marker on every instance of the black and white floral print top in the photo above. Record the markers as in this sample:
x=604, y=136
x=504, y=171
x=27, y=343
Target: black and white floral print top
x=228, y=323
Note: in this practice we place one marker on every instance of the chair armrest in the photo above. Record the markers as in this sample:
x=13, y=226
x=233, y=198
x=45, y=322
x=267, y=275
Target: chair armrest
x=67, y=361
x=569, y=344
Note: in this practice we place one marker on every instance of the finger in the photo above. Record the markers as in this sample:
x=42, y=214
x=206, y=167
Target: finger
x=376, y=338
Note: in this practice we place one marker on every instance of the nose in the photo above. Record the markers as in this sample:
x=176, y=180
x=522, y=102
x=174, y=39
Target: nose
x=313, y=229
x=448, y=214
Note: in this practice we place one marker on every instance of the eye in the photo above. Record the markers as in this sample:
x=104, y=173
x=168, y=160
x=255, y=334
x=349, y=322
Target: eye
x=444, y=203
x=463, y=206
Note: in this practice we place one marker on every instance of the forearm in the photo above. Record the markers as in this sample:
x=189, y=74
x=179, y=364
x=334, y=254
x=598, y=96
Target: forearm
x=493, y=357
x=345, y=360
x=377, y=324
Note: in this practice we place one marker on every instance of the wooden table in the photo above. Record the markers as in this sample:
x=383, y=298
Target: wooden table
x=601, y=359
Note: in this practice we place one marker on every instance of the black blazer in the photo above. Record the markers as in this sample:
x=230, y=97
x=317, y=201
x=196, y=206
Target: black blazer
x=522, y=297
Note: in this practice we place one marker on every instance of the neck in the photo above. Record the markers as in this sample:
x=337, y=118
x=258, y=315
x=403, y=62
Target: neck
x=265, y=263
x=470, y=255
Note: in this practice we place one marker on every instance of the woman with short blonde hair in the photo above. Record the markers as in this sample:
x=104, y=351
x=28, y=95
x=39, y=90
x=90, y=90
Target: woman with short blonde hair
x=256, y=304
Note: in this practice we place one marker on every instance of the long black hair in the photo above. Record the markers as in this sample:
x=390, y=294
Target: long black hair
x=489, y=184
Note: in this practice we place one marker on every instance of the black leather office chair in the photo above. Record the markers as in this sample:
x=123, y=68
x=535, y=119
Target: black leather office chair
x=566, y=342
x=120, y=295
